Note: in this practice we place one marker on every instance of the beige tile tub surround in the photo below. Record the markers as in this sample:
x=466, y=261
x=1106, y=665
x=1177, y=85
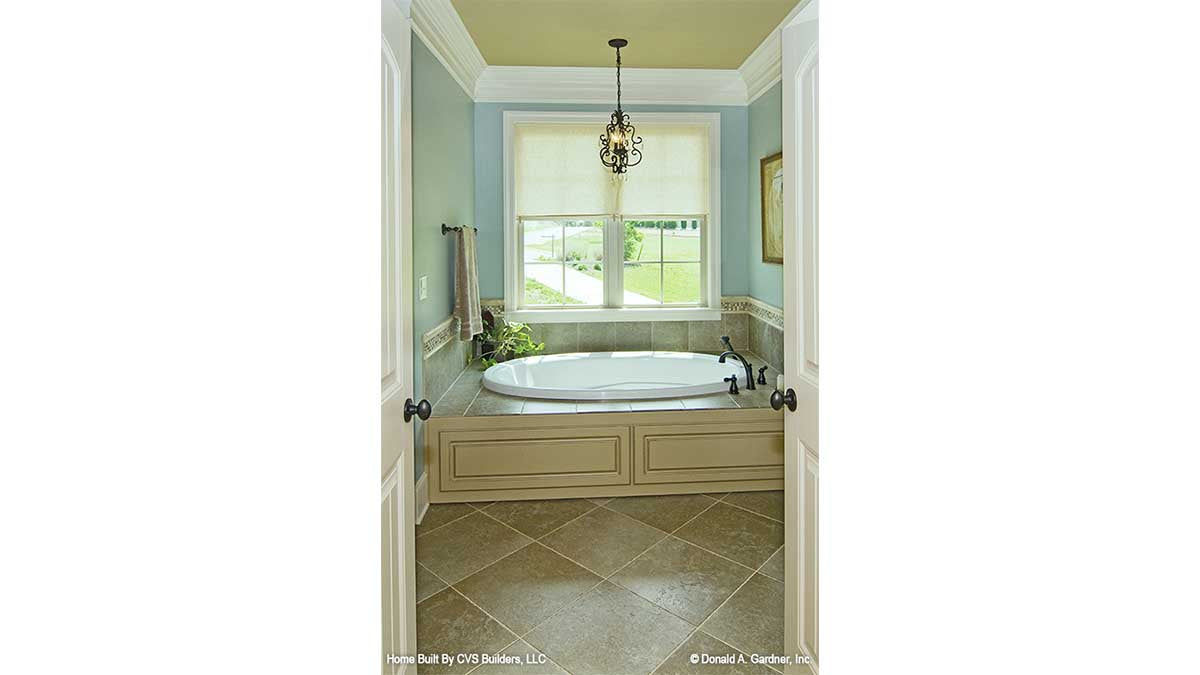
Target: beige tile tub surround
x=663, y=600
x=676, y=336
x=466, y=396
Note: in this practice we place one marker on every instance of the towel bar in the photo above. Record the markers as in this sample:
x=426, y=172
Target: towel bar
x=455, y=229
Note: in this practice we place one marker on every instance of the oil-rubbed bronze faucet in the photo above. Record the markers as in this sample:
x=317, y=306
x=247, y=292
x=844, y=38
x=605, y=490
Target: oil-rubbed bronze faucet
x=749, y=368
x=732, y=380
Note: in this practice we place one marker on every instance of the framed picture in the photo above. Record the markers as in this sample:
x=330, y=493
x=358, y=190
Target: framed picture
x=771, y=186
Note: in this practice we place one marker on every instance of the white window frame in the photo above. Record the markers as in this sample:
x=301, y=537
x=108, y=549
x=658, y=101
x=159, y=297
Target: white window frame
x=710, y=307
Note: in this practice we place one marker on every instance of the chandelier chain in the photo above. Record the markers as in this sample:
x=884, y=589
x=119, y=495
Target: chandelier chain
x=618, y=78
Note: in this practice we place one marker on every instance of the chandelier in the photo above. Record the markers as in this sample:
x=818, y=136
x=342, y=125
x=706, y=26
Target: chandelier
x=619, y=145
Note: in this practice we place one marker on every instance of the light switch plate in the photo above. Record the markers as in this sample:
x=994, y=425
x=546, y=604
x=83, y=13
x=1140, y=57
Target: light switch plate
x=423, y=288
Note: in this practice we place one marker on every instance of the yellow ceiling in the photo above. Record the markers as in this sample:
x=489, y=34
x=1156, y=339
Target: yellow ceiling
x=661, y=33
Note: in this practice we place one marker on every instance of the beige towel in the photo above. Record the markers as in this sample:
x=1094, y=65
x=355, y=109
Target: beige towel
x=466, y=286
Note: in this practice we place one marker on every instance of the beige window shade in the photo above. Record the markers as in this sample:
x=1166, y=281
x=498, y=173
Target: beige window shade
x=557, y=171
x=673, y=176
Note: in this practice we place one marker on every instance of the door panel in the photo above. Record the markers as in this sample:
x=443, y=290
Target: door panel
x=398, y=580
x=801, y=331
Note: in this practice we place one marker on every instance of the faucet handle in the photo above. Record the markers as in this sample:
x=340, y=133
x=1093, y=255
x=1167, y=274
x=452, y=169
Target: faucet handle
x=762, y=379
x=732, y=380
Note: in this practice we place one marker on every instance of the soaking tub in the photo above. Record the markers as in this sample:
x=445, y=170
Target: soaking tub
x=600, y=376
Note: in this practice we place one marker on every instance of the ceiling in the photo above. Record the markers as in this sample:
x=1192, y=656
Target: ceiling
x=661, y=33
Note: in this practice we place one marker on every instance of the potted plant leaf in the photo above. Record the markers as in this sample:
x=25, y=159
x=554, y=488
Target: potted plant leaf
x=501, y=341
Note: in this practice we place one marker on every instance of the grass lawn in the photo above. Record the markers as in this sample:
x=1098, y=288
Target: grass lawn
x=682, y=282
x=537, y=293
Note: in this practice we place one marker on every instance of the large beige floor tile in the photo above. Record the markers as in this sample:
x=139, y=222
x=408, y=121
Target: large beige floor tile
x=427, y=583
x=536, y=518
x=466, y=546
x=528, y=586
x=769, y=504
x=603, y=540
x=734, y=533
x=438, y=515
x=774, y=566
x=666, y=513
x=752, y=620
x=702, y=643
x=682, y=579
x=448, y=624
x=610, y=631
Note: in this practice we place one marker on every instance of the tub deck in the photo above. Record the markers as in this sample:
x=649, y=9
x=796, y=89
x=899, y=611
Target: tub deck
x=484, y=446
x=467, y=398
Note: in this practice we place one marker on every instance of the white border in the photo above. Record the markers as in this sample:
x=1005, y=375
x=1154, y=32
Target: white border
x=677, y=86
x=712, y=281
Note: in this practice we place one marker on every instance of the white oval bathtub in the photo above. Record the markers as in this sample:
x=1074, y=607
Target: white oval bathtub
x=598, y=376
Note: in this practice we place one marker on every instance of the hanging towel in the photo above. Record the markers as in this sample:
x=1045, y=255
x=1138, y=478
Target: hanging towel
x=466, y=286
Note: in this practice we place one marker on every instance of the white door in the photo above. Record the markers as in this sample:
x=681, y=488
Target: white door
x=396, y=503
x=800, y=337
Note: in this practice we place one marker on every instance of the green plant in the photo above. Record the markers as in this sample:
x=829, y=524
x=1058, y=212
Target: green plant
x=633, y=241
x=506, y=341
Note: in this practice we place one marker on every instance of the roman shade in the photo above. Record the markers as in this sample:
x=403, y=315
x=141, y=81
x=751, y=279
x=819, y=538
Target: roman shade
x=557, y=172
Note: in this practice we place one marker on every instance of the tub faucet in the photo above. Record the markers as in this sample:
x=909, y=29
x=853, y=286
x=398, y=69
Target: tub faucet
x=749, y=368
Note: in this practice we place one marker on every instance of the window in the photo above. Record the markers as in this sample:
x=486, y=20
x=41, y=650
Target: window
x=583, y=245
x=663, y=262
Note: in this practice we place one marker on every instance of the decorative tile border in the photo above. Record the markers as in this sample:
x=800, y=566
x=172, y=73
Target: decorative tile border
x=769, y=314
x=439, y=336
x=736, y=304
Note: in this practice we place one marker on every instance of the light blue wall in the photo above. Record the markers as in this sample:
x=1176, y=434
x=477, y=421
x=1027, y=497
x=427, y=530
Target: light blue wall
x=766, y=139
x=489, y=187
x=443, y=185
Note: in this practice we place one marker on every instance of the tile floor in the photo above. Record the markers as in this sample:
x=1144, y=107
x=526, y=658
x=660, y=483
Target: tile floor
x=624, y=586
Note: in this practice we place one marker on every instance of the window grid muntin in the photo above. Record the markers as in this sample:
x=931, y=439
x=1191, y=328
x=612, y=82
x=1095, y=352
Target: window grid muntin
x=562, y=221
x=661, y=262
x=613, y=231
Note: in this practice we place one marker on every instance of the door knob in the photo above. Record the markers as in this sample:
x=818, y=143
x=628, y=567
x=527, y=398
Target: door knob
x=779, y=399
x=422, y=410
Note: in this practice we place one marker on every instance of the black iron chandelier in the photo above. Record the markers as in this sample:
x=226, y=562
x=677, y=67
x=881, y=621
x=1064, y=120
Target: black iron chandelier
x=619, y=145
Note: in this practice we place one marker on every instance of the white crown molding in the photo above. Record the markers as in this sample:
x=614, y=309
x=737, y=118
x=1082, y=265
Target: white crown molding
x=679, y=86
x=764, y=67
x=442, y=30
